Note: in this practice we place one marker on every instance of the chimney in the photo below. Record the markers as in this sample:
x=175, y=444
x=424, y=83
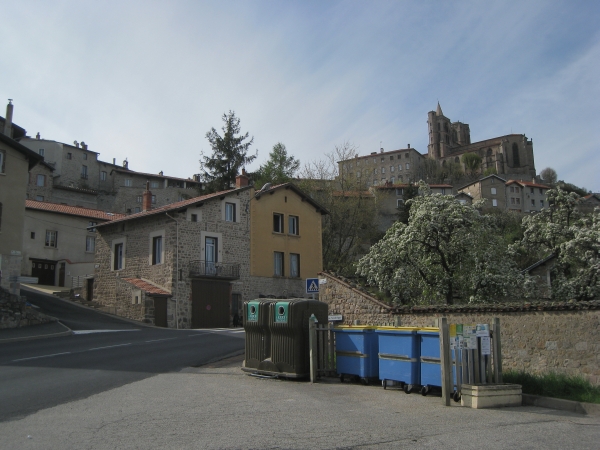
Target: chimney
x=114, y=161
x=147, y=198
x=408, y=145
x=241, y=180
x=381, y=150
x=37, y=136
x=8, y=121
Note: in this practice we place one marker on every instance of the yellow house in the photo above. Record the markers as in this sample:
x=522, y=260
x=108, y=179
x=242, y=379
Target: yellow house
x=285, y=240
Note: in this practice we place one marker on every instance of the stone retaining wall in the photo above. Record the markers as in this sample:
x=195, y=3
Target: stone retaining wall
x=14, y=313
x=536, y=337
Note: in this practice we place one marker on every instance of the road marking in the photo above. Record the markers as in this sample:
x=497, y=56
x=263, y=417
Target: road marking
x=158, y=340
x=44, y=356
x=101, y=331
x=199, y=334
x=108, y=346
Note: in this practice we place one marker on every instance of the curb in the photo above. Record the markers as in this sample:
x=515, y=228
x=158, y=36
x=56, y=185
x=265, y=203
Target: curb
x=68, y=332
x=590, y=409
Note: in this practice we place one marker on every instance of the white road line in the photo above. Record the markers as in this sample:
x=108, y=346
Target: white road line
x=199, y=334
x=44, y=356
x=109, y=346
x=158, y=340
x=100, y=331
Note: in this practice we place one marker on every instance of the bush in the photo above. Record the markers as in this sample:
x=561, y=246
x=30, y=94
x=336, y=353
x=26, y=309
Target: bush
x=555, y=385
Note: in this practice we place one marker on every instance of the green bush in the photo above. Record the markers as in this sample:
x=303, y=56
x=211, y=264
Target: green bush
x=555, y=385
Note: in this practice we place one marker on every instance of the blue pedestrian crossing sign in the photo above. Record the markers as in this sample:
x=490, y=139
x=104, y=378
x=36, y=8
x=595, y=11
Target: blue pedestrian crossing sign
x=312, y=285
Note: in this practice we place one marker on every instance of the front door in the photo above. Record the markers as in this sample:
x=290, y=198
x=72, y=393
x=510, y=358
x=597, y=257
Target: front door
x=210, y=255
x=61, y=274
x=44, y=270
x=211, y=302
x=160, y=312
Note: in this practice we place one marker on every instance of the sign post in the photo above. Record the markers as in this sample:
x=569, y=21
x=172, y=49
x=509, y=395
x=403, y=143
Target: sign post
x=312, y=286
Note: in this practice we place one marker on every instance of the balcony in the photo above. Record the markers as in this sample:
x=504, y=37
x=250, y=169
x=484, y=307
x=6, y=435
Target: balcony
x=222, y=271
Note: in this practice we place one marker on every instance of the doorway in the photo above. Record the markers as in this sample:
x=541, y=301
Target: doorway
x=211, y=302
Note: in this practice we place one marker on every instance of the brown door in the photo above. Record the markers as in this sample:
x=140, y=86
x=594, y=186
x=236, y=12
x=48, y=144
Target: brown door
x=61, y=275
x=44, y=271
x=90, y=289
x=160, y=312
x=211, y=302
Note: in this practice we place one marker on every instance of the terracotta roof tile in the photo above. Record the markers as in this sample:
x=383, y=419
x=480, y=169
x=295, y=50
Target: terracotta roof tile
x=71, y=210
x=528, y=184
x=146, y=286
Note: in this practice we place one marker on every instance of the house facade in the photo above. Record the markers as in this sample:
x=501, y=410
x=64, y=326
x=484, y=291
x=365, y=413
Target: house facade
x=15, y=163
x=491, y=188
x=59, y=242
x=525, y=196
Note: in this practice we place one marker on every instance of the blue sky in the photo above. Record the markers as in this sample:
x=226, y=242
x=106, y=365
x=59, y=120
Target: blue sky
x=147, y=79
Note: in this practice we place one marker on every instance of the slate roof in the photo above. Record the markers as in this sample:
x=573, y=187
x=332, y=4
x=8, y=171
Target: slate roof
x=174, y=206
x=153, y=175
x=147, y=287
x=71, y=210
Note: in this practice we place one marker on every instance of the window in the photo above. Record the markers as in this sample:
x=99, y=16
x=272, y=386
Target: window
x=138, y=199
x=128, y=182
x=41, y=151
x=375, y=171
x=382, y=159
x=91, y=226
x=40, y=180
x=103, y=176
x=194, y=218
x=32, y=235
x=153, y=200
x=517, y=189
x=294, y=265
x=512, y=200
x=399, y=203
x=407, y=166
x=391, y=157
x=118, y=256
x=90, y=243
x=1, y=162
x=391, y=168
x=399, y=167
x=493, y=180
x=443, y=191
x=518, y=200
x=51, y=238
x=512, y=189
x=84, y=172
x=85, y=156
x=541, y=203
x=531, y=191
x=293, y=227
x=406, y=155
x=137, y=209
x=392, y=180
x=532, y=202
x=494, y=202
x=157, y=250
x=541, y=192
x=278, y=223
x=154, y=184
x=39, y=198
x=493, y=191
x=383, y=170
x=399, y=191
x=230, y=212
x=69, y=155
x=278, y=264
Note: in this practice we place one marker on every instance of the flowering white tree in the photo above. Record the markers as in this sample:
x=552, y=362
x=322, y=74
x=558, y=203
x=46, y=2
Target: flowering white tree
x=574, y=239
x=447, y=251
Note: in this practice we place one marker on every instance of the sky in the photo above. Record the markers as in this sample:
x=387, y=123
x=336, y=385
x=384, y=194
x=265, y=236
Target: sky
x=146, y=80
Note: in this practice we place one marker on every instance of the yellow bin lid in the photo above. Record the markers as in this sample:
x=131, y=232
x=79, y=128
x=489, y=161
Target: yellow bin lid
x=398, y=328
x=431, y=329
x=355, y=327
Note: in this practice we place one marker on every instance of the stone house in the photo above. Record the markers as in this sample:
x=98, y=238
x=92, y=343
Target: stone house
x=58, y=243
x=15, y=163
x=490, y=188
x=525, y=196
x=588, y=203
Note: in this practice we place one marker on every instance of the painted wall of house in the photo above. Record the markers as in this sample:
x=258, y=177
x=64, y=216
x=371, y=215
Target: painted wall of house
x=70, y=245
x=265, y=241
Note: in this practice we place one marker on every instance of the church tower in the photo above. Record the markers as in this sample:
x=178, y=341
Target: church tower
x=440, y=134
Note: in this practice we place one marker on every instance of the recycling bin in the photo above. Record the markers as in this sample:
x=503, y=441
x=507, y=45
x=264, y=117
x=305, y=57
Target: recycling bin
x=356, y=349
x=258, y=336
x=430, y=361
x=399, y=353
x=289, y=355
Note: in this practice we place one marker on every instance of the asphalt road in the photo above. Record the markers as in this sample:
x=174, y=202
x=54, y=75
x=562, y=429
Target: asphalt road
x=104, y=353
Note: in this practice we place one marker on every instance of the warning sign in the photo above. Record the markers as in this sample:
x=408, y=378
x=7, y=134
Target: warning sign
x=312, y=285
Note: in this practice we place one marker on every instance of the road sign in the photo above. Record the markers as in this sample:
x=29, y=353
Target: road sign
x=335, y=318
x=312, y=285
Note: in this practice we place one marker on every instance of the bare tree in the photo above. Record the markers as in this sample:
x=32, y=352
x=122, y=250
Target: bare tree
x=549, y=175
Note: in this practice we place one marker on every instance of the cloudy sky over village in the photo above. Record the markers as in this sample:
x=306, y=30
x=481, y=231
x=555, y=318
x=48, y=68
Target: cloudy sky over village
x=145, y=80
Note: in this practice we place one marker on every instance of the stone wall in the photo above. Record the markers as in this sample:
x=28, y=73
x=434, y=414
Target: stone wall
x=14, y=313
x=537, y=337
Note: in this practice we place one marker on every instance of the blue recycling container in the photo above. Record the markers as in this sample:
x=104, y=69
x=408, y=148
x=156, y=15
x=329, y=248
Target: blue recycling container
x=399, y=351
x=430, y=360
x=356, y=350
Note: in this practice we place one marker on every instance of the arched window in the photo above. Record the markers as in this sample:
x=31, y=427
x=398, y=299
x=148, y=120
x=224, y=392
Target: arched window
x=457, y=160
x=489, y=152
x=446, y=127
x=515, y=151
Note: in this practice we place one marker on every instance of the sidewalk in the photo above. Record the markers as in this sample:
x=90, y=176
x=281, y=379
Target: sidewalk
x=46, y=330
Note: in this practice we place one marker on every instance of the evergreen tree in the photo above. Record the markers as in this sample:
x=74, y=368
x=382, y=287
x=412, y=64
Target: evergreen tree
x=229, y=155
x=280, y=168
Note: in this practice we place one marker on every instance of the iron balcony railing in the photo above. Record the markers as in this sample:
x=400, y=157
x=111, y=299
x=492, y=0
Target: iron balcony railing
x=226, y=271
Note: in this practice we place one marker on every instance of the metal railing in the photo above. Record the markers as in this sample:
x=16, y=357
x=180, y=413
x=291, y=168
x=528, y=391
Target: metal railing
x=227, y=271
x=77, y=282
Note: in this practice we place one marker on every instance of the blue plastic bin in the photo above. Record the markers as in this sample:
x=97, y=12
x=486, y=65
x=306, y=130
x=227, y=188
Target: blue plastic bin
x=430, y=361
x=399, y=351
x=356, y=350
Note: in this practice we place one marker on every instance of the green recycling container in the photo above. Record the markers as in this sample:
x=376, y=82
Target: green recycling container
x=258, y=336
x=288, y=324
